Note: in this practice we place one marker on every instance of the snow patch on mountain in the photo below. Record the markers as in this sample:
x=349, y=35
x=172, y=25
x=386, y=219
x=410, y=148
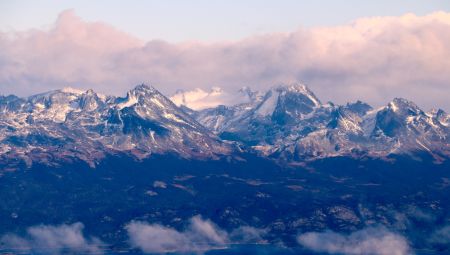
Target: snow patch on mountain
x=267, y=107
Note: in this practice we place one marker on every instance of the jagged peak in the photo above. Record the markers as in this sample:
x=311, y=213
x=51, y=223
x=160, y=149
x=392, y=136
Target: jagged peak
x=90, y=100
x=401, y=105
x=442, y=117
x=441, y=112
x=144, y=95
x=358, y=102
x=143, y=89
x=133, y=95
x=359, y=107
x=404, y=102
x=299, y=88
x=89, y=92
x=288, y=101
x=294, y=86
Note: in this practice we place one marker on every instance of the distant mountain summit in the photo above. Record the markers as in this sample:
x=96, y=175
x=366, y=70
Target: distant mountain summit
x=291, y=123
x=67, y=124
x=287, y=122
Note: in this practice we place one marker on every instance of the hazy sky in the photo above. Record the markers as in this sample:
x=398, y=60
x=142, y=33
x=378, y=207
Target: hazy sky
x=207, y=20
x=343, y=50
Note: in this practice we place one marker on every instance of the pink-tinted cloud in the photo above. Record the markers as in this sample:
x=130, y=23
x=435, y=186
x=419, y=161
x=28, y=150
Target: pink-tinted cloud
x=199, y=236
x=47, y=239
x=376, y=241
x=373, y=59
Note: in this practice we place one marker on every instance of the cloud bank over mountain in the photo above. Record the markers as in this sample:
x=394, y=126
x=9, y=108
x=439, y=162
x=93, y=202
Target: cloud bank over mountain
x=373, y=59
x=199, y=99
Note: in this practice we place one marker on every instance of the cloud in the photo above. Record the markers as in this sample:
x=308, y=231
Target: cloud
x=53, y=240
x=441, y=236
x=376, y=241
x=247, y=234
x=198, y=99
x=199, y=236
x=159, y=184
x=373, y=59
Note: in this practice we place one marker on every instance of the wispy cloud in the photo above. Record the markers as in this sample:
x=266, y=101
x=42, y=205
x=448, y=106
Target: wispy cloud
x=376, y=241
x=374, y=59
x=53, y=240
x=200, y=235
x=441, y=236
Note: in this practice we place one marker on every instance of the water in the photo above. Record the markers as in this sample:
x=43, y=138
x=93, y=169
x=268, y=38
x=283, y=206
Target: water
x=248, y=249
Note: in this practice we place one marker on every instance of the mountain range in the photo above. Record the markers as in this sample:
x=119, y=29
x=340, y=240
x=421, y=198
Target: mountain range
x=145, y=173
x=290, y=122
x=65, y=124
x=287, y=123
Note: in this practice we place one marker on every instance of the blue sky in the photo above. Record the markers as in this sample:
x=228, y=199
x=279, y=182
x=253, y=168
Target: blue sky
x=203, y=20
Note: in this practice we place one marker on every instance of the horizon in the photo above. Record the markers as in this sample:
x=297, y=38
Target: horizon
x=218, y=99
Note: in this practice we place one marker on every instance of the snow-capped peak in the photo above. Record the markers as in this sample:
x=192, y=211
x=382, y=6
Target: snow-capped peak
x=443, y=117
x=84, y=126
x=143, y=89
x=294, y=87
x=289, y=120
x=404, y=107
x=292, y=99
x=299, y=88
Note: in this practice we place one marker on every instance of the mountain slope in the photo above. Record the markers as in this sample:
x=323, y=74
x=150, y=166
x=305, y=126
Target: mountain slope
x=290, y=122
x=66, y=124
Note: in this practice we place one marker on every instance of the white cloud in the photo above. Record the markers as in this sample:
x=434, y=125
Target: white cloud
x=199, y=236
x=198, y=99
x=53, y=240
x=158, y=239
x=373, y=59
x=375, y=241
